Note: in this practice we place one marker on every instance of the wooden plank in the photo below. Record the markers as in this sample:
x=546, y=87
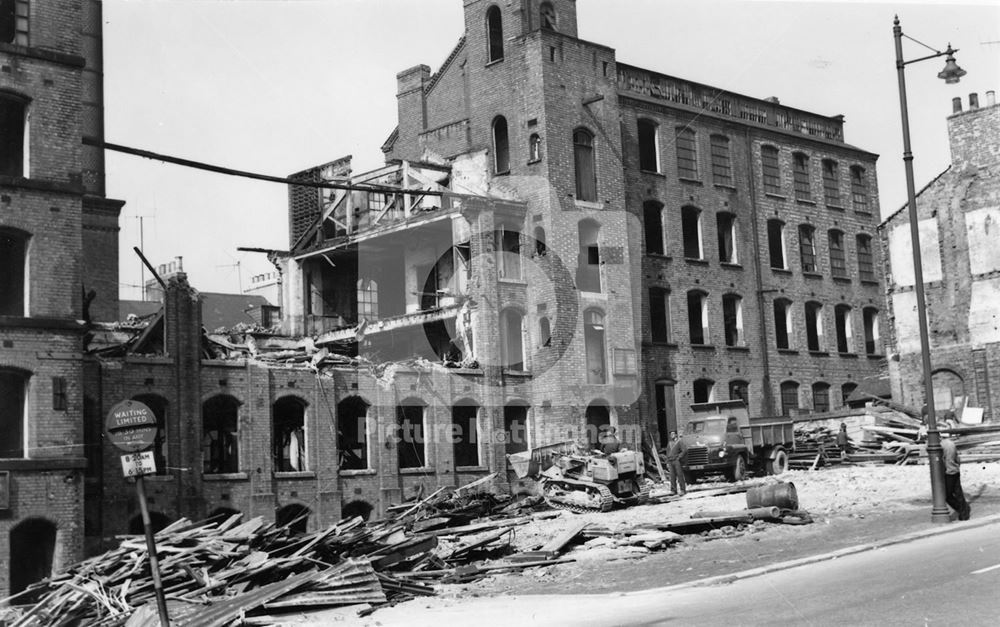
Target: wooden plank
x=656, y=457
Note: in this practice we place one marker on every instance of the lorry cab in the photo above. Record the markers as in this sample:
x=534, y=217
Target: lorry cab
x=722, y=438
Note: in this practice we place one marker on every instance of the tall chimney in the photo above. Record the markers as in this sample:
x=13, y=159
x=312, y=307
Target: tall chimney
x=973, y=101
x=956, y=105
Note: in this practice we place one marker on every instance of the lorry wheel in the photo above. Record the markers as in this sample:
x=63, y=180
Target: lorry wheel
x=738, y=471
x=779, y=464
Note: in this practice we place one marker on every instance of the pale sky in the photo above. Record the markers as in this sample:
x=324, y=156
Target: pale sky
x=278, y=86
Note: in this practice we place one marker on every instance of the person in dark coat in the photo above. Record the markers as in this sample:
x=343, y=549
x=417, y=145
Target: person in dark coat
x=676, y=449
x=843, y=441
x=608, y=441
x=953, y=493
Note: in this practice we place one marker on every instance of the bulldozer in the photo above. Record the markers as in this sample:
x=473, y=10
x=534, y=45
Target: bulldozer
x=584, y=481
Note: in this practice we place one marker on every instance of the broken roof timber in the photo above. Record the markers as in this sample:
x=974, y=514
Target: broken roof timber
x=350, y=334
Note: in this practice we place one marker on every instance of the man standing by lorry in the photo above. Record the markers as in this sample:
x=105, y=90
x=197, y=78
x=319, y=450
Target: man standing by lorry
x=675, y=460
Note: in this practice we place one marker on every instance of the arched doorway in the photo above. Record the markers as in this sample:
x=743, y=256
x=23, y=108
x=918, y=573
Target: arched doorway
x=156, y=519
x=294, y=516
x=598, y=415
x=32, y=547
x=356, y=508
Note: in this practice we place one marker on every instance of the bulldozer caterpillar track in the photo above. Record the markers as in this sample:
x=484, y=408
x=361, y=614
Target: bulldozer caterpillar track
x=554, y=492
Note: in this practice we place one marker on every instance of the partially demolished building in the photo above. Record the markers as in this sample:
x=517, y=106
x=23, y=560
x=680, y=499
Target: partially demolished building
x=557, y=242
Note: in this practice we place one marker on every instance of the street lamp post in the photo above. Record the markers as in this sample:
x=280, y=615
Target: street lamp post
x=951, y=74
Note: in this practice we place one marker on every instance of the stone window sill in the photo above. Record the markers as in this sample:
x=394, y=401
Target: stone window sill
x=848, y=355
x=806, y=201
x=787, y=351
x=738, y=349
x=781, y=271
x=694, y=261
x=775, y=195
x=875, y=356
x=812, y=275
x=362, y=472
x=654, y=173
x=471, y=469
x=842, y=279
x=730, y=265
x=835, y=208
x=225, y=476
x=301, y=474
x=703, y=347
x=422, y=470
x=588, y=204
x=729, y=188
x=659, y=256
x=819, y=353
x=685, y=179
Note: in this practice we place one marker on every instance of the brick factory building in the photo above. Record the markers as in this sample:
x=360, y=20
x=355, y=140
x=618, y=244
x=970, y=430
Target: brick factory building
x=557, y=242
x=58, y=255
x=959, y=215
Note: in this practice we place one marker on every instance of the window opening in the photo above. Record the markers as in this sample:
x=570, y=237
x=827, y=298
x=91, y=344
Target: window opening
x=866, y=266
x=465, y=435
x=782, y=323
x=649, y=146
x=691, y=232
x=776, y=243
x=501, y=146
x=352, y=433
x=807, y=248
x=412, y=443
x=770, y=170
x=593, y=337
x=220, y=435
x=289, y=416
x=842, y=314
x=732, y=315
x=659, y=314
x=494, y=29
x=726, y=230
x=838, y=257
x=800, y=175
x=722, y=172
x=821, y=397
x=831, y=183
x=789, y=398
x=652, y=221
x=687, y=154
x=585, y=168
x=704, y=391
x=697, y=306
x=814, y=326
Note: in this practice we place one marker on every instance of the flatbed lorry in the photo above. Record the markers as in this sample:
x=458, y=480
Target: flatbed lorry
x=722, y=437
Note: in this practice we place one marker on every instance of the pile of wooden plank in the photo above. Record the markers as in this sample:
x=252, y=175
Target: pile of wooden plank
x=215, y=571
x=815, y=446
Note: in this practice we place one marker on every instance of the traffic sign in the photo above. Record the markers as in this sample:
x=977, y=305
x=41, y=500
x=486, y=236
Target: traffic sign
x=131, y=426
x=138, y=464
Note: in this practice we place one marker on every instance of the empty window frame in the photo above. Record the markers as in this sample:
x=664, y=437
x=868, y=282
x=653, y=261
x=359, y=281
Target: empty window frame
x=13, y=410
x=60, y=394
x=789, y=398
x=838, y=256
x=411, y=434
x=540, y=247
x=870, y=315
x=732, y=318
x=859, y=189
x=782, y=323
x=697, y=308
x=588, y=270
x=726, y=230
x=220, y=435
x=807, y=248
x=687, y=153
x=512, y=339
x=704, y=391
x=691, y=232
x=866, y=264
x=776, y=243
x=739, y=391
x=289, y=434
x=494, y=34
x=842, y=322
x=465, y=434
x=845, y=392
x=14, y=247
x=814, y=326
x=800, y=176
x=509, y=245
x=821, y=397
x=14, y=22
x=770, y=169
x=659, y=314
x=593, y=337
x=544, y=332
x=534, y=148
x=13, y=126
x=585, y=167
x=831, y=183
x=547, y=16
x=352, y=433
x=367, y=300
x=649, y=145
x=501, y=146
x=652, y=224
x=722, y=169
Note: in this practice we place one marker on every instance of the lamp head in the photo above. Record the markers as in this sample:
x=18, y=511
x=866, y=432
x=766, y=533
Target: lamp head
x=951, y=72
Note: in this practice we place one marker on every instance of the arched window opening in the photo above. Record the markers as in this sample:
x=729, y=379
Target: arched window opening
x=289, y=419
x=842, y=316
x=687, y=153
x=704, y=391
x=509, y=249
x=13, y=132
x=501, y=146
x=352, y=433
x=547, y=14
x=859, y=189
x=871, y=331
x=649, y=145
x=512, y=339
x=534, y=148
x=494, y=34
x=807, y=248
x=659, y=314
x=770, y=170
x=515, y=424
x=652, y=222
x=821, y=397
x=732, y=316
x=295, y=517
x=866, y=263
x=838, y=255
x=588, y=271
x=465, y=434
x=584, y=165
x=789, y=398
x=739, y=391
x=157, y=521
x=782, y=323
x=722, y=171
x=220, y=435
x=800, y=173
x=845, y=392
x=540, y=246
x=726, y=230
x=776, y=243
x=14, y=261
x=544, y=332
x=949, y=391
x=598, y=417
x=367, y=299
x=697, y=307
x=666, y=409
x=357, y=508
x=593, y=337
x=32, y=547
x=411, y=434
x=691, y=232
x=13, y=412
x=814, y=326
x=158, y=405
x=831, y=183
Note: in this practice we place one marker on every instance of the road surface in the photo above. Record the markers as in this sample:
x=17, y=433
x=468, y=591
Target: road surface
x=945, y=579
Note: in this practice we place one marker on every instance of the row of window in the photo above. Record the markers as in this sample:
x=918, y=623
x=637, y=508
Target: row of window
x=686, y=146
x=727, y=234
x=705, y=391
x=699, y=323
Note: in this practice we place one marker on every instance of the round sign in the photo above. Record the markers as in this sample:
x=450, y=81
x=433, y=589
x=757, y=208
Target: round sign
x=131, y=426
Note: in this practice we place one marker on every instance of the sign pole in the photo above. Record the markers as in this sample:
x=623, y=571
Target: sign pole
x=154, y=564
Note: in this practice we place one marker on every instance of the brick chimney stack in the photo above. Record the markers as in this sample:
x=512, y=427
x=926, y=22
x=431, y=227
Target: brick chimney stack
x=974, y=135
